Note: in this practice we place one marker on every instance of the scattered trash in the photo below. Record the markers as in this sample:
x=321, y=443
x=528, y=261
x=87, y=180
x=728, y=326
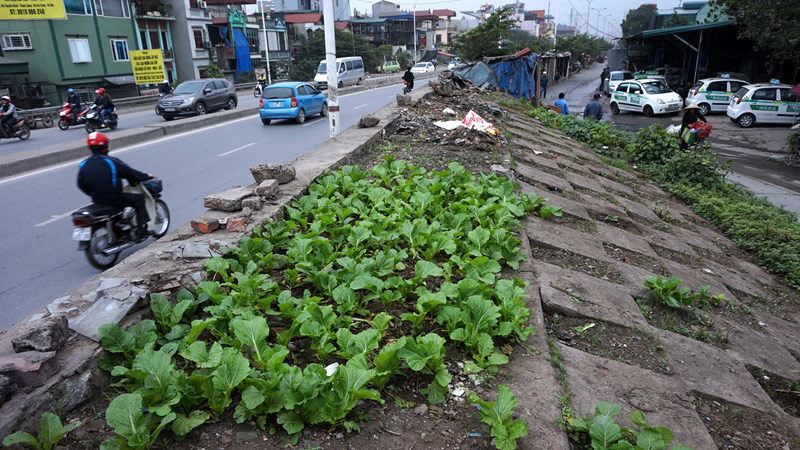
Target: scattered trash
x=448, y=125
x=709, y=271
x=537, y=152
x=673, y=129
x=582, y=329
x=449, y=112
x=331, y=369
x=473, y=434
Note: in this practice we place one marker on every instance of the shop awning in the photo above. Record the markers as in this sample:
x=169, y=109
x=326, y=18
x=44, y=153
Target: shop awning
x=118, y=81
x=687, y=28
x=12, y=66
x=303, y=18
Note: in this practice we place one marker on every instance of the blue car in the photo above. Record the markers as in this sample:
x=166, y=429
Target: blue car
x=291, y=100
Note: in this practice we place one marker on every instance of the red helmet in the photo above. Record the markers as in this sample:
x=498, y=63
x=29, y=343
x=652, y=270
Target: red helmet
x=98, y=92
x=102, y=91
x=96, y=139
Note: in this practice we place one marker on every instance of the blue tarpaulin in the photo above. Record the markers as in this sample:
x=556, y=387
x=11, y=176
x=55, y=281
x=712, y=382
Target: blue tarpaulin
x=479, y=74
x=516, y=77
x=242, y=51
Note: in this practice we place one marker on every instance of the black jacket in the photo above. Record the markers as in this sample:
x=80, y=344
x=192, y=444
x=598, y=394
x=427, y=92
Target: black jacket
x=75, y=99
x=408, y=76
x=100, y=177
x=688, y=119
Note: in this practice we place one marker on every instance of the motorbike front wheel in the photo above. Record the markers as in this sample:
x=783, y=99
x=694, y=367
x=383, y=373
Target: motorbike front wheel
x=24, y=132
x=161, y=222
x=99, y=241
x=90, y=126
x=63, y=124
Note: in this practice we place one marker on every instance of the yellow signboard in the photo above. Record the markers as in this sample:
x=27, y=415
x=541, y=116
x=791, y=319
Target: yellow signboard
x=32, y=9
x=148, y=66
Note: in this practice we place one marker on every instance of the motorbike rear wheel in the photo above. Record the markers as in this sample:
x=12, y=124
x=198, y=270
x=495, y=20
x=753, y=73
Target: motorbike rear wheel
x=99, y=241
x=161, y=222
x=24, y=132
x=90, y=126
x=63, y=124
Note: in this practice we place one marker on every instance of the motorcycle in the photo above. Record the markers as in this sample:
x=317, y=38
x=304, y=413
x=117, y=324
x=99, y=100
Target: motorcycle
x=21, y=130
x=103, y=232
x=406, y=88
x=259, y=89
x=94, y=122
x=67, y=118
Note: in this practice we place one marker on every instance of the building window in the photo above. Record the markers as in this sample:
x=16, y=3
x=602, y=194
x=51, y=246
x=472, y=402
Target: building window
x=17, y=41
x=79, y=49
x=119, y=48
x=115, y=8
x=198, y=39
x=98, y=7
x=193, y=4
x=78, y=7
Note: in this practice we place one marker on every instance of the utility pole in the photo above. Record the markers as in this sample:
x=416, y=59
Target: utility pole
x=333, y=71
x=414, y=14
x=588, y=10
x=266, y=42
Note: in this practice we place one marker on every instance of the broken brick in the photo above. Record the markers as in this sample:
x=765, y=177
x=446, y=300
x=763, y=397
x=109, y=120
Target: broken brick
x=236, y=224
x=253, y=203
x=205, y=224
x=267, y=188
x=229, y=199
x=29, y=368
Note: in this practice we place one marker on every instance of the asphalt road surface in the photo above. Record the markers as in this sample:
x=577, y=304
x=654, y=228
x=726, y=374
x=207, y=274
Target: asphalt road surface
x=41, y=262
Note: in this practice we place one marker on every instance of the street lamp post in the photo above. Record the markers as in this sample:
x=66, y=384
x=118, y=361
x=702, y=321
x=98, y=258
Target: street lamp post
x=266, y=41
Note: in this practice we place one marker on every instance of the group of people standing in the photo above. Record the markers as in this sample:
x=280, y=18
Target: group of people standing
x=593, y=109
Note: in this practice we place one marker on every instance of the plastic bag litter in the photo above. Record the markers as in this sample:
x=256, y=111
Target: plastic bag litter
x=473, y=121
x=448, y=112
x=449, y=125
x=673, y=129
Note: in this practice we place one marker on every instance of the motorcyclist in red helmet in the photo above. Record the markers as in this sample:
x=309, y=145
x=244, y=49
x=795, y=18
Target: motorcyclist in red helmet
x=100, y=177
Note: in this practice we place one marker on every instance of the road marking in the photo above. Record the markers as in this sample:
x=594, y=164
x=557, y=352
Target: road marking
x=237, y=149
x=53, y=219
x=360, y=106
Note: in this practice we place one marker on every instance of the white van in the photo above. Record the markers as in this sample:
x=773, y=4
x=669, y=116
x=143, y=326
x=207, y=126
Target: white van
x=351, y=71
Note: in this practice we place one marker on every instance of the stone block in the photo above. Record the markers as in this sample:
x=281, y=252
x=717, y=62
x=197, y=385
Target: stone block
x=7, y=388
x=29, y=369
x=368, y=121
x=237, y=224
x=501, y=171
x=284, y=173
x=228, y=200
x=404, y=100
x=252, y=203
x=45, y=335
x=62, y=305
x=110, y=308
x=193, y=250
x=205, y=224
x=268, y=188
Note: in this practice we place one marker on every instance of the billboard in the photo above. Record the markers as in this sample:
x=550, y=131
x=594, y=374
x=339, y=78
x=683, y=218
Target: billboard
x=32, y=9
x=148, y=66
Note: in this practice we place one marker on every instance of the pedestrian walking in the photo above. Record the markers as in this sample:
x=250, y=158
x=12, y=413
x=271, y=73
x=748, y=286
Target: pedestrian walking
x=594, y=109
x=561, y=103
x=543, y=83
x=603, y=76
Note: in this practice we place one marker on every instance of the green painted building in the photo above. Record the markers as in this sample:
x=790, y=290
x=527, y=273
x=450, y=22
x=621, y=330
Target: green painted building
x=86, y=51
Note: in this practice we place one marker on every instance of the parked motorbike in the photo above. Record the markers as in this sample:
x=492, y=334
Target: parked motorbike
x=21, y=130
x=67, y=118
x=103, y=232
x=94, y=122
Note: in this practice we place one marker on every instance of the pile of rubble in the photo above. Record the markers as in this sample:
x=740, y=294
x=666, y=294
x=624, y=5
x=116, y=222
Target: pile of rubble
x=243, y=200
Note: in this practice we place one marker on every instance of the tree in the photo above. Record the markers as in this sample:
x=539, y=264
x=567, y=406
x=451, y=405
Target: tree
x=676, y=21
x=212, y=71
x=313, y=51
x=384, y=53
x=484, y=40
x=403, y=58
x=582, y=44
x=772, y=24
x=637, y=20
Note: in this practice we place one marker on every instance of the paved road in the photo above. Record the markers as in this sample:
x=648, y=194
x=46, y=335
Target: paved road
x=754, y=153
x=41, y=263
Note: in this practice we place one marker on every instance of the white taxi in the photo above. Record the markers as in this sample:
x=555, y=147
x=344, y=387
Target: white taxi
x=713, y=94
x=648, y=96
x=764, y=103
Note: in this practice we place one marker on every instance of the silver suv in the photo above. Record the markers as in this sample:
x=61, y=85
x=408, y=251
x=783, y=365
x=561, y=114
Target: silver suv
x=197, y=97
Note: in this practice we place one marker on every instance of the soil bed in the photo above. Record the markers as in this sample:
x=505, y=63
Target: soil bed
x=573, y=261
x=634, y=258
x=694, y=323
x=784, y=392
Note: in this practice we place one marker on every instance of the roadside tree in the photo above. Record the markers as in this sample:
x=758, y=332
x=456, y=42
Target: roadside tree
x=637, y=20
x=484, y=40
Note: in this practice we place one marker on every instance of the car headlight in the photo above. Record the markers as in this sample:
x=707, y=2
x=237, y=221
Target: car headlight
x=660, y=102
x=188, y=100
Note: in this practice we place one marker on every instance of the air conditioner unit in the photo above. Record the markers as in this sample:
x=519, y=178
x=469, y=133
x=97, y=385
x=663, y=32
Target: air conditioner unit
x=202, y=4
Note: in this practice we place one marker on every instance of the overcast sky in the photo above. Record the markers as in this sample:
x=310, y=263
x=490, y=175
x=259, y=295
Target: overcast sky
x=614, y=10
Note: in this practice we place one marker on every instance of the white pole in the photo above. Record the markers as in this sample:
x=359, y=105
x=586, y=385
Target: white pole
x=266, y=44
x=588, y=10
x=414, y=13
x=333, y=73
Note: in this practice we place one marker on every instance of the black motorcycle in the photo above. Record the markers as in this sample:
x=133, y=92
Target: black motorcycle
x=21, y=130
x=103, y=232
x=94, y=122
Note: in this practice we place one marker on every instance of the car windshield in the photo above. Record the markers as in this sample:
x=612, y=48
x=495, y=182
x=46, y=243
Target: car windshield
x=390, y=63
x=656, y=87
x=621, y=76
x=191, y=87
x=278, y=92
x=421, y=65
x=698, y=85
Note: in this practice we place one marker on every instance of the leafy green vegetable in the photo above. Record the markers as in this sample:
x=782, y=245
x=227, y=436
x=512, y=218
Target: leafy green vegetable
x=51, y=431
x=505, y=429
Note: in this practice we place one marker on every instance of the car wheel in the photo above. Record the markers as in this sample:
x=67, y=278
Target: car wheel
x=746, y=120
x=614, y=109
x=324, y=111
x=168, y=117
x=200, y=109
x=301, y=116
x=358, y=83
x=704, y=109
x=340, y=85
x=266, y=121
x=648, y=111
x=231, y=104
